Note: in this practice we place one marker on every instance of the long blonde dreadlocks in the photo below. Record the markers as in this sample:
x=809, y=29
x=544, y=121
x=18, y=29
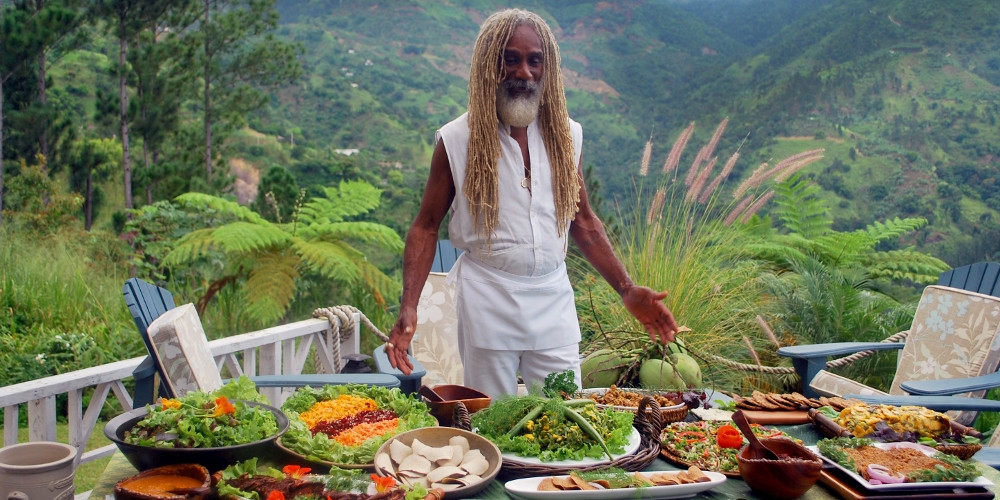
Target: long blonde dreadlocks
x=481, y=179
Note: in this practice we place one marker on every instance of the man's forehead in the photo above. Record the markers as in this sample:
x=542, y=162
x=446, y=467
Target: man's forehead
x=524, y=38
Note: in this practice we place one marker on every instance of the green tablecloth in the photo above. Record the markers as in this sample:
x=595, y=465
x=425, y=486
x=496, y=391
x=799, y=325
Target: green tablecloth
x=119, y=468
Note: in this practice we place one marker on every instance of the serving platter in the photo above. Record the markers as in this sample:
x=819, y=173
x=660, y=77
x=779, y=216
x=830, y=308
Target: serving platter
x=634, y=440
x=979, y=482
x=528, y=488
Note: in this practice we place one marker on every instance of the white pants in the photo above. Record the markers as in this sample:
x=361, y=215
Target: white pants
x=495, y=372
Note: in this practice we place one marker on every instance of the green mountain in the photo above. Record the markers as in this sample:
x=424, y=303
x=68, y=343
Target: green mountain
x=902, y=95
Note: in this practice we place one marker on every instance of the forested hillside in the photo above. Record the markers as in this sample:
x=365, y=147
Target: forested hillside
x=902, y=95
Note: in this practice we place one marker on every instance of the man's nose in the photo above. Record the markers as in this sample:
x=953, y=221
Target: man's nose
x=522, y=71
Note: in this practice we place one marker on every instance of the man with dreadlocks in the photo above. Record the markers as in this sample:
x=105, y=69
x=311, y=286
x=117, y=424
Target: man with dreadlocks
x=509, y=170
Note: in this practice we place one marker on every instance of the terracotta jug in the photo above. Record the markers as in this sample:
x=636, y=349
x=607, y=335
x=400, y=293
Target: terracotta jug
x=38, y=470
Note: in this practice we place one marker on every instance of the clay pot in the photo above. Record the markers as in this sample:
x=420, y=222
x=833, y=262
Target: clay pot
x=450, y=394
x=144, y=486
x=780, y=479
x=37, y=470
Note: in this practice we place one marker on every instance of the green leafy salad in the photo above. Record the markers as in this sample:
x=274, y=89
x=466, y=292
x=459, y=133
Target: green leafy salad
x=553, y=429
x=300, y=438
x=205, y=420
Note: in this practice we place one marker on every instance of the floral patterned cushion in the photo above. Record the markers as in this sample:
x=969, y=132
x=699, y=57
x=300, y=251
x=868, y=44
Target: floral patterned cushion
x=435, y=342
x=955, y=334
x=181, y=347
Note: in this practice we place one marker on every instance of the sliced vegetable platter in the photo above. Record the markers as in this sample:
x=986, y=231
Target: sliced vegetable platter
x=709, y=445
x=943, y=471
x=344, y=425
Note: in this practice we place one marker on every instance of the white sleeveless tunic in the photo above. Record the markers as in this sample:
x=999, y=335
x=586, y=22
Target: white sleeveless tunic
x=516, y=295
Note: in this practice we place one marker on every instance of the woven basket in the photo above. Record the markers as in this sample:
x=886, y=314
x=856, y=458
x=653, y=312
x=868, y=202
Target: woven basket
x=668, y=414
x=963, y=451
x=647, y=422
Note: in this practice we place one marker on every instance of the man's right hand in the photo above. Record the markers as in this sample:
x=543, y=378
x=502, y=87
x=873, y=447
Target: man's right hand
x=399, y=341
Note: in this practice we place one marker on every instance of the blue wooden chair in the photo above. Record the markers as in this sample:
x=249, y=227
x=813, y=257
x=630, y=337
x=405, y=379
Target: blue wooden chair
x=444, y=257
x=146, y=302
x=809, y=360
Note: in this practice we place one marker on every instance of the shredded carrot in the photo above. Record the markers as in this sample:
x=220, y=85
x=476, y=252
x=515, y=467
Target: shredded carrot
x=362, y=432
x=332, y=409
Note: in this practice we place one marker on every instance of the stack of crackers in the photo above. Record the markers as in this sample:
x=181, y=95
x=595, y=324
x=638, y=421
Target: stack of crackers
x=575, y=482
x=790, y=402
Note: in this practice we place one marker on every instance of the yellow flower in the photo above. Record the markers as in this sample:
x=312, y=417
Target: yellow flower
x=529, y=437
x=170, y=404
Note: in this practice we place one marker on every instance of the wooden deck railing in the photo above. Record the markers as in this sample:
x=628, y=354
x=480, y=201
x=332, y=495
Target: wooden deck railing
x=282, y=349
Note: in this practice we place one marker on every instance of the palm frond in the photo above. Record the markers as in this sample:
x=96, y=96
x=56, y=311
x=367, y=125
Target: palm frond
x=799, y=208
x=242, y=237
x=202, y=200
x=336, y=260
x=191, y=247
x=894, y=228
x=271, y=286
x=349, y=199
x=368, y=232
x=906, y=265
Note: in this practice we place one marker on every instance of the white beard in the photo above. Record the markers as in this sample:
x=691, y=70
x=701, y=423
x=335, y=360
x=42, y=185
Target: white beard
x=518, y=111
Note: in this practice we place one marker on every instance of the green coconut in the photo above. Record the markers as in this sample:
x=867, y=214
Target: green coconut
x=601, y=368
x=678, y=373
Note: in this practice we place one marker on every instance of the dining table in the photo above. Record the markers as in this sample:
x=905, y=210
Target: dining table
x=119, y=468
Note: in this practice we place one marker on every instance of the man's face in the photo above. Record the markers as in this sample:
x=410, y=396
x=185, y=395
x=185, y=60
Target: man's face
x=520, y=93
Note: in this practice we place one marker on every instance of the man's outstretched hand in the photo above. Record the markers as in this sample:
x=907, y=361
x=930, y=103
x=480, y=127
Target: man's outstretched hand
x=647, y=306
x=399, y=342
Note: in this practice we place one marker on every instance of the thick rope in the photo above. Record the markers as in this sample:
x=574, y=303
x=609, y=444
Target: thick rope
x=341, y=320
x=862, y=354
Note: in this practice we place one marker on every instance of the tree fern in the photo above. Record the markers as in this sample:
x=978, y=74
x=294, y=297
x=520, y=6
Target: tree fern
x=273, y=258
x=799, y=209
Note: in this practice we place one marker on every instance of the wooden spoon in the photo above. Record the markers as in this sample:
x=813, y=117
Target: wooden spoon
x=429, y=393
x=757, y=449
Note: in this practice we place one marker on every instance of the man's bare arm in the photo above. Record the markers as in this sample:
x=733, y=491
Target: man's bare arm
x=418, y=255
x=645, y=304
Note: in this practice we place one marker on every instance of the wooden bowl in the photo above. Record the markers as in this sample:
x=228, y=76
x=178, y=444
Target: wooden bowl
x=170, y=482
x=781, y=479
x=438, y=437
x=451, y=394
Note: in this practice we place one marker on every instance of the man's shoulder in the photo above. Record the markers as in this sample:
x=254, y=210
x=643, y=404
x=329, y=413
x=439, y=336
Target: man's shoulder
x=461, y=122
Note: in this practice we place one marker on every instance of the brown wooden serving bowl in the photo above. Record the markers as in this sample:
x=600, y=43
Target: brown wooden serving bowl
x=781, y=479
x=451, y=394
x=170, y=482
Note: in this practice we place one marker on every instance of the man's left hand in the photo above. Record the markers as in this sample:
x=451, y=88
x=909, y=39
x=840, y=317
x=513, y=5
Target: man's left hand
x=647, y=306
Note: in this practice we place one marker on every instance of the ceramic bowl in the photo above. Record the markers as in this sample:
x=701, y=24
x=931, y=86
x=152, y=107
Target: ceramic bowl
x=148, y=457
x=438, y=437
x=161, y=483
x=451, y=394
x=790, y=477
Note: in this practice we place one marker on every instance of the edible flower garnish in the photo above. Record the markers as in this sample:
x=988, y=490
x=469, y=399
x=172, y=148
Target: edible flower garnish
x=172, y=404
x=295, y=471
x=729, y=437
x=276, y=495
x=222, y=407
x=383, y=484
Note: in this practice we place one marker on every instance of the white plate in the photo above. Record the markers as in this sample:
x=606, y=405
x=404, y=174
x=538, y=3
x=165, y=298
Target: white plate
x=980, y=481
x=634, y=440
x=528, y=488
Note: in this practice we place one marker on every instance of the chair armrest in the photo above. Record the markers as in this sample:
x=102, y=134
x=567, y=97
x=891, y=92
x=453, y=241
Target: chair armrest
x=949, y=386
x=321, y=379
x=936, y=403
x=835, y=349
x=808, y=360
x=409, y=383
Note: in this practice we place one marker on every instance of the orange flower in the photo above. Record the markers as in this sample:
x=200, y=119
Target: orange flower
x=170, y=404
x=295, y=471
x=383, y=484
x=276, y=495
x=222, y=407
